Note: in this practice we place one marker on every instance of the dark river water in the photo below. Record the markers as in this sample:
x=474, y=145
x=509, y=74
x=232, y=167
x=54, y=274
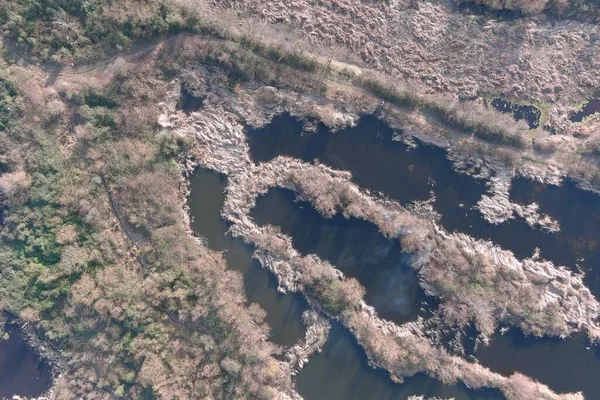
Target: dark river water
x=341, y=372
x=283, y=311
x=405, y=174
x=354, y=246
x=22, y=372
x=564, y=365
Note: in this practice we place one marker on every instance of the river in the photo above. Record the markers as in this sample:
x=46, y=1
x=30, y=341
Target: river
x=341, y=371
x=207, y=194
x=407, y=172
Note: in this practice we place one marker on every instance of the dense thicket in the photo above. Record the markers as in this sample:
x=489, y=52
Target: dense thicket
x=95, y=252
x=79, y=30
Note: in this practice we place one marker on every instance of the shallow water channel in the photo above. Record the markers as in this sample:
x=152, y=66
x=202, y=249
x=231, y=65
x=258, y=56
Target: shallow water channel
x=341, y=372
x=207, y=194
x=407, y=173
x=22, y=372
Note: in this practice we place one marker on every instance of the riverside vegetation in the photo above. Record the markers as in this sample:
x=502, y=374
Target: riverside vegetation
x=96, y=252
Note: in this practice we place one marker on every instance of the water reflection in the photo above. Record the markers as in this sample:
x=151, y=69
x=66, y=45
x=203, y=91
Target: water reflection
x=353, y=246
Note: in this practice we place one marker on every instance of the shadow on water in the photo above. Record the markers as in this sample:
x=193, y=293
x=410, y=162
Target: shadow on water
x=341, y=371
x=529, y=113
x=353, y=246
x=591, y=107
x=22, y=372
x=283, y=311
x=563, y=365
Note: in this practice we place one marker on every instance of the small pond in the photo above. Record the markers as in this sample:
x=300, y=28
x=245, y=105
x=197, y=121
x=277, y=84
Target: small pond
x=529, y=113
x=22, y=371
x=591, y=107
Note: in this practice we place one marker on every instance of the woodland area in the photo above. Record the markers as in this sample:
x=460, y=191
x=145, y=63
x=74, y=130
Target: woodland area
x=95, y=251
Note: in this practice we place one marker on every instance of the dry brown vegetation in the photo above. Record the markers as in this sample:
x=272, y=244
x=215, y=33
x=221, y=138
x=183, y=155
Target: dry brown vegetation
x=97, y=255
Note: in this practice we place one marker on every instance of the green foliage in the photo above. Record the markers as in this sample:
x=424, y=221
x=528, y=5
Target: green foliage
x=7, y=103
x=66, y=30
x=120, y=391
x=330, y=296
x=129, y=377
x=172, y=146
